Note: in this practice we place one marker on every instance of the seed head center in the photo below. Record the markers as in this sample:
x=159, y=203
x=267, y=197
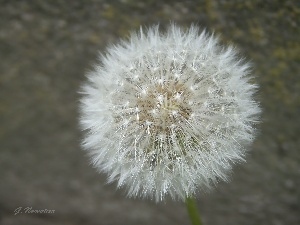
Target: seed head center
x=164, y=107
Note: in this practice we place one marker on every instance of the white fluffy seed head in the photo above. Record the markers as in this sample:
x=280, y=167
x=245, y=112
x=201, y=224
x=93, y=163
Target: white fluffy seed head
x=168, y=113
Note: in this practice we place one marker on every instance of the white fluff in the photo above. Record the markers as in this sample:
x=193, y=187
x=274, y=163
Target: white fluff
x=168, y=113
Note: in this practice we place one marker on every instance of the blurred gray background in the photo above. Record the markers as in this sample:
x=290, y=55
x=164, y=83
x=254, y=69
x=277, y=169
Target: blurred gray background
x=45, y=49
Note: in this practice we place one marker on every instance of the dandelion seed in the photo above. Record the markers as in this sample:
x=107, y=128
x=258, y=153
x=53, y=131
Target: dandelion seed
x=167, y=114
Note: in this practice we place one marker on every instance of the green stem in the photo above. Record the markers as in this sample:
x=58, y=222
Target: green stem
x=193, y=212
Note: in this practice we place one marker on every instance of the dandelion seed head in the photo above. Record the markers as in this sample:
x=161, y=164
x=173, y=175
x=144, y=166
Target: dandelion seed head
x=168, y=114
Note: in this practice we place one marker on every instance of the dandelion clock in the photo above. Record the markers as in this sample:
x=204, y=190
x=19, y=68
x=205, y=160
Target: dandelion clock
x=168, y=113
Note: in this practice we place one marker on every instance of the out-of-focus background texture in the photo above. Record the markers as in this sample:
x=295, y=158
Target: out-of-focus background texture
x=45, y=49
